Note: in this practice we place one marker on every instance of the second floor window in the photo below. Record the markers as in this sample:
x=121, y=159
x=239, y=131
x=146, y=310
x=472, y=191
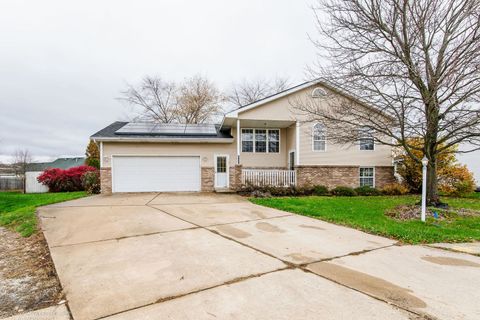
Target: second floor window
x=261, y=140
x=319, y=137
x=366, y=140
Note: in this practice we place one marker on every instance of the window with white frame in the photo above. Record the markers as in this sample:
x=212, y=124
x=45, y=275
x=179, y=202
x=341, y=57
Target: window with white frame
x=273, y=141
x=367, y=177
x=366, y=140
x=319, y=137
x=261, y=140
x=247, y=140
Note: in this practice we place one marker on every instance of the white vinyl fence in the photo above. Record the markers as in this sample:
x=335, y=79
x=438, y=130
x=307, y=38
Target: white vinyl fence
x=274, y=178
x=31, y=183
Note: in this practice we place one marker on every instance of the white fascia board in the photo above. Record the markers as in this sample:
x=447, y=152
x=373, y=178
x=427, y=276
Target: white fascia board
x=234, y=113
x=165, y=140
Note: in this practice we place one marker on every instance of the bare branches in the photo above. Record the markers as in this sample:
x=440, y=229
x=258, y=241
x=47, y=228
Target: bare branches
x=245, y=92
x=418, y=62
x=21, y=160
x=196, y=100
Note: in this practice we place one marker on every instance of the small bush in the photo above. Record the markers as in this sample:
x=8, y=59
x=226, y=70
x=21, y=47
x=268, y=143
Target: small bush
x=320, y=191
x=394, y=189
x=367, y=191
x=343, y=191
x=303, y=191
x=462, y=189
x=59, y=180
x=91, y=182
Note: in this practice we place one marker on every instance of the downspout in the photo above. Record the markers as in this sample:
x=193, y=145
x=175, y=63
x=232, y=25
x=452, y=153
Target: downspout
x=297, y=143
x=238, y=141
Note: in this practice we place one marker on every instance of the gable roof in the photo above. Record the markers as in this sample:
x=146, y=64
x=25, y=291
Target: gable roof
x=273, y=97
x=112, y=133
x=319, y=81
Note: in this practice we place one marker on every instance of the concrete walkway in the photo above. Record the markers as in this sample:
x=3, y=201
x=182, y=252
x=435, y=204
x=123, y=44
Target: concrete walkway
x=213, y=256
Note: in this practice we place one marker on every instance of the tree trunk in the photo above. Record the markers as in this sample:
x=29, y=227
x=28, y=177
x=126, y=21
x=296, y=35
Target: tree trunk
x=433, y=198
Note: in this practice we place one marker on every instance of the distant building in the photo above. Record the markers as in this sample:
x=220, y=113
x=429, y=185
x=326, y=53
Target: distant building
x=35, y=169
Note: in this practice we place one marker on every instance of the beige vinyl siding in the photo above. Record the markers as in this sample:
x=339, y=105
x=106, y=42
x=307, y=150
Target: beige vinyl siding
x=335, y=154
x=291, y=138
x=264, y=160
x=206, y=151
x=344, y=155
x=279, y=109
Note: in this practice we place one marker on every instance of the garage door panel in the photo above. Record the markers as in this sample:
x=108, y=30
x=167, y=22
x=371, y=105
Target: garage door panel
x=162, y=173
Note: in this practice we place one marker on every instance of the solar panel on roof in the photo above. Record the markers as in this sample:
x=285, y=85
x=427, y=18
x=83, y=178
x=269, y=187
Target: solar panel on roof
x=145, y=128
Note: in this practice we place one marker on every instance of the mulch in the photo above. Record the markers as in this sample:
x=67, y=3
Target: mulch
x=413, y=212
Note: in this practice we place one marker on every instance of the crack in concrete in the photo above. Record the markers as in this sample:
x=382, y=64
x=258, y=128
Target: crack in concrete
x=155, y=197
x=355, y=253
x=288, y=265
x=429, y=246
x=420, y=314
x=232, y=281
x=226, y=237
x=124, y=237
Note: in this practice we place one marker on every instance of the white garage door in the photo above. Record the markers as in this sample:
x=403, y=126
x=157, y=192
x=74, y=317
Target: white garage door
x=162, y=173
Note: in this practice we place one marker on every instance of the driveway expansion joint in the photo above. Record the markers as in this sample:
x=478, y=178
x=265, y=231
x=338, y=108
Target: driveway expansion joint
x=125, y=237
x=226, y=283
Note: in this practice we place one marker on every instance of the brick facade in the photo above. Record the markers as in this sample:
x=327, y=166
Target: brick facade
x=329, y=176
x=235, y=176
x=383, y=176
x=106, y=180
x=208, y=179
x=333, y=176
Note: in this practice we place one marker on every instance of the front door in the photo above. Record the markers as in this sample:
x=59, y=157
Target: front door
x=221, y=171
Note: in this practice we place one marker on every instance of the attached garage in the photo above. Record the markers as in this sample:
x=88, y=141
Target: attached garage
x=155, y=173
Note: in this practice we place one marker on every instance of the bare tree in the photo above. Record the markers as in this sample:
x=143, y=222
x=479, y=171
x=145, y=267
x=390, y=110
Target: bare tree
x=155, y=99
x=246, y=92
x=21, y=160
x=199, y=101
x=195, y=100
x=416, y=62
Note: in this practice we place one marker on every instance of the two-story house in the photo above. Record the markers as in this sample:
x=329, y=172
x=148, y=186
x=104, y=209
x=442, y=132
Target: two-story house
x=266, y=142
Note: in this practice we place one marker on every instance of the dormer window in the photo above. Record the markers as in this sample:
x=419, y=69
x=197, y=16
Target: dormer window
x=318, y=93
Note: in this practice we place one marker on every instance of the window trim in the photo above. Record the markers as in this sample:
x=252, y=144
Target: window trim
x=313, y=137
x=360, y=177
x=360, y=144
x=267, y=141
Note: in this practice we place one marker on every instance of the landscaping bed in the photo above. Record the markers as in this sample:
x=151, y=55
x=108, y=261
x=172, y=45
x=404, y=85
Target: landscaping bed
x=373, y=214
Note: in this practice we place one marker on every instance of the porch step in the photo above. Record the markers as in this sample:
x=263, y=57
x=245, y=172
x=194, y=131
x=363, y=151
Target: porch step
x=224, y=190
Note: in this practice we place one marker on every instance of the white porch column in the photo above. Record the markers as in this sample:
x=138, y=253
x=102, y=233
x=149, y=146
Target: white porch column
x=297, y=143
x=239, y=141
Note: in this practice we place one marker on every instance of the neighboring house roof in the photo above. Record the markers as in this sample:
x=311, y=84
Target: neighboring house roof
x=158, y=132
x=7, y=170
x=60, y=163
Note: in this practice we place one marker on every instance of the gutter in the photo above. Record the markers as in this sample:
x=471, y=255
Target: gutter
x=164, y=140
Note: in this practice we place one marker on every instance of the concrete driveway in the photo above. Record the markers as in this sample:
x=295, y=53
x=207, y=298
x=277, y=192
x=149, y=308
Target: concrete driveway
x=214, y=256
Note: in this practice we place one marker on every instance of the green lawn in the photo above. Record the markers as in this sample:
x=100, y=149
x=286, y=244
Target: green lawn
x=17, y=210
x=367, y=214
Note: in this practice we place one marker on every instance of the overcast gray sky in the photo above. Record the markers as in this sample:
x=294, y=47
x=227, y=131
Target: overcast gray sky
x=63, y=63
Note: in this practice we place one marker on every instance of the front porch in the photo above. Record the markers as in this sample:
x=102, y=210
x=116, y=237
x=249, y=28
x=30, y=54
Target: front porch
x=265, y=177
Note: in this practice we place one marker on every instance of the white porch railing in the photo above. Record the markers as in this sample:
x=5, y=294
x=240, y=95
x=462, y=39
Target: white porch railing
x=274, y=178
